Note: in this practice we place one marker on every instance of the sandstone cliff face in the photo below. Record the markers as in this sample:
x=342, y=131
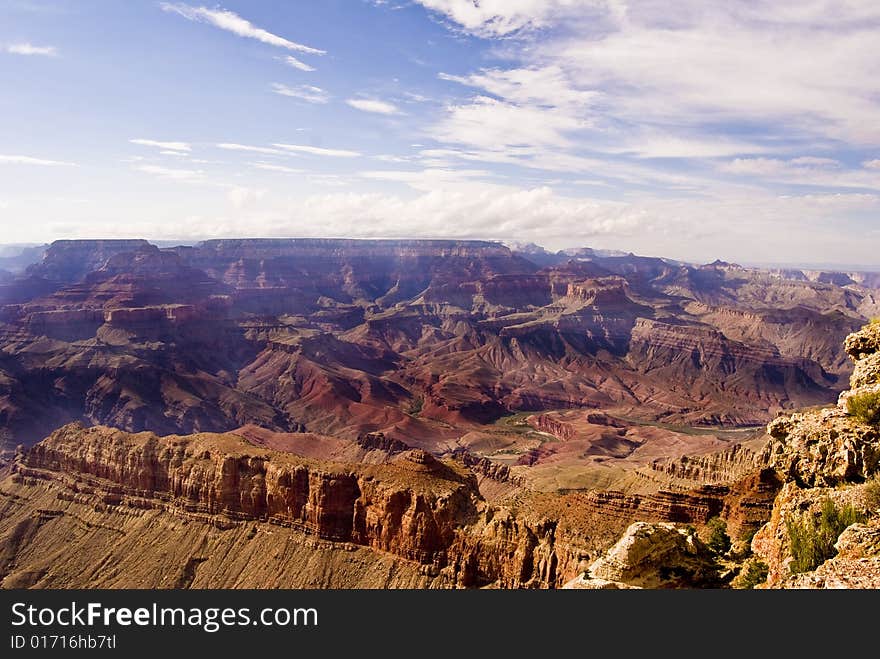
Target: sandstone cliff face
x=427, y=514
x=410, y=506
x=426, y=519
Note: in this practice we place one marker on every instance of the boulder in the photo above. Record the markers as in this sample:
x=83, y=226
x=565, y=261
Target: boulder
x=655, y=555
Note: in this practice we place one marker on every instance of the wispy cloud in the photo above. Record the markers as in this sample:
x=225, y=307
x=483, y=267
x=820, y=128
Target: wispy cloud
x=172, y=174
x=494, y=18
x=625, y=79
x=304, y=92
x=290, y=60
x=773, y=166
x=166, y=146
x=805, y=170
x=434, y=179
x=319, y=151
x=28, y=160
x=270, y=167
x=29, y=49
x=417, y=98
x=232, y=22
x=228, y=146
x=373, y=105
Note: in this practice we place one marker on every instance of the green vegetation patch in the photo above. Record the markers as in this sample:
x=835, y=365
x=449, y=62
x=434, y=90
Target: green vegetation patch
x=865, y=406
x=812, y=537
x=718, y=541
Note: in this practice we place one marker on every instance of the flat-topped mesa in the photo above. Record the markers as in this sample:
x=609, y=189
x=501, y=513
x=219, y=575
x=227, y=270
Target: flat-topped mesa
x=380, y=271
x=347, y=247
x=600, y=291
x=68, y=261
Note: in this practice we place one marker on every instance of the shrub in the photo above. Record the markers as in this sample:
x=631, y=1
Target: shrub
x=812, y=537
x=865, y=406
x=747, y=535
x=872, y=493
x=415, y=407
x=718, y=541
x=754, y=572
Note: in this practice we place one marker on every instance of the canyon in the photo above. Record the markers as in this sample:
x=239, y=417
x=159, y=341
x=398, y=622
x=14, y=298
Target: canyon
x=410, y=413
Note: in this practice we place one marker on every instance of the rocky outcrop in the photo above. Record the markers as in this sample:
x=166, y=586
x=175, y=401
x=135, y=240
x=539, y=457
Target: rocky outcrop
x=487, y=468
x=830, y=447
x=717, y=467
x=825, y=448
x=559, y=429
x=831, y=460
x=653, y=556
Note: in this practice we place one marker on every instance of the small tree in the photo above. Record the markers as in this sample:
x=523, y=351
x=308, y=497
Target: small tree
x=754, y=572
x=719, y=541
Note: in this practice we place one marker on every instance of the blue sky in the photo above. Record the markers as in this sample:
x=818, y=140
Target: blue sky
x=746, y=131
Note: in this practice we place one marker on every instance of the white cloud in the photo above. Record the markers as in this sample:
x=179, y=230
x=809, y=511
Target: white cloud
x=240, y=196
x=467, y=212
x=165, y=146
x=806, y=170
x=246, y=147
x=435, y=178
x=28, y=160
x=232, y=22
x=658, y=144
x=417, y=98
x=29, y=49
x=305, y=92
x=492, y=124
x=189, y=175
x=391, y=158
x=180, y=154
x=632, y=80
x=271, y=167
x=373, y=105
x=872, y=164
x=774, y=166
x=290, y=60
x=545, y=86
x=725, y=62
x=318, y=151
x=491, y=18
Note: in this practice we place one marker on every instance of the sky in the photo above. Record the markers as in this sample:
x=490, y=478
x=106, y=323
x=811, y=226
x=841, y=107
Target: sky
x=745, y=130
